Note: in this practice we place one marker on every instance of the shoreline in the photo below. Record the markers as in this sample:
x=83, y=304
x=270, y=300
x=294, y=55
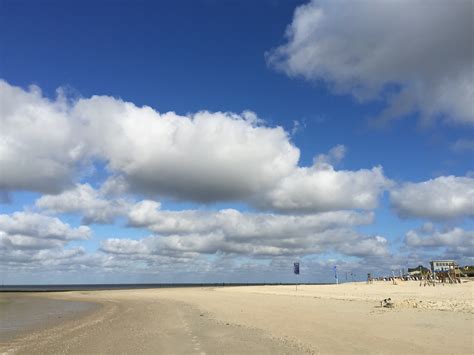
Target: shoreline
x=145, y=286
x=109, y=287
x=328, y=319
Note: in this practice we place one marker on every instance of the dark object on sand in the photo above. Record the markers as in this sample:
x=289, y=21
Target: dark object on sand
x=386, y=303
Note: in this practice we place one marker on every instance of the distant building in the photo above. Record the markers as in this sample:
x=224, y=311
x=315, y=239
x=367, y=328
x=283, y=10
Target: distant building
x=443, y=265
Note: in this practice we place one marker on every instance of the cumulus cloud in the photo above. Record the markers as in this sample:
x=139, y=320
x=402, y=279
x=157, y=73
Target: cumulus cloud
x=229, y=231
x=369, y=247
x=439, y=199
x=39, y=226
x=240, y=224
x=322, y=188
x=184, y=240
x=123, y=246
x=38, y=145
x=204, y=157
x=417, y=55
x=30, y=240
x=87, y=201
x=456, y=241
x=219, y=243
x=26, y=242
x=35, y=259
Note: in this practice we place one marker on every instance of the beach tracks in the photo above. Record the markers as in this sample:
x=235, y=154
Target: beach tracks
x=147, y=326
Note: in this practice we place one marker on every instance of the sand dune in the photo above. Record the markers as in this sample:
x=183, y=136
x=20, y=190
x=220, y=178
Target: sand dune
x=258, y=320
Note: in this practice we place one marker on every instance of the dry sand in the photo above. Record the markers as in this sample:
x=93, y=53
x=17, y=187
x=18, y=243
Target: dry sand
x=265, y=320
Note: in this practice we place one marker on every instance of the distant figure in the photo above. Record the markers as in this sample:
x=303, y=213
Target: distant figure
x=393, y=278
x=369, y=278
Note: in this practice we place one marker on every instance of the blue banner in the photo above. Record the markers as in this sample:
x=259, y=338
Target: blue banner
x=296, y=268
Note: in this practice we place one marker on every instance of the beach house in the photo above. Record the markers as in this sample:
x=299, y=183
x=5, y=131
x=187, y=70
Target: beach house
x=443, y=265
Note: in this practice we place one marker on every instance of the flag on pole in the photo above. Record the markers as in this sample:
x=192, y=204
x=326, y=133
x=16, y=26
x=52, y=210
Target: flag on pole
x=296, y=268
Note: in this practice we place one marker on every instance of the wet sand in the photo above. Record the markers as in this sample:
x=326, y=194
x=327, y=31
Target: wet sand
x=22, y=313
x=264, y=320
x=137, y=324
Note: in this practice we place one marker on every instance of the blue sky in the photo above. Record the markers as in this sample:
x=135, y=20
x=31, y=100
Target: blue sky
x=234, y=56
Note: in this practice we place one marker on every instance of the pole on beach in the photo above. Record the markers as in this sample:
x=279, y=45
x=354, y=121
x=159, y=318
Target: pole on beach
x=335, y=275
x=296, y=271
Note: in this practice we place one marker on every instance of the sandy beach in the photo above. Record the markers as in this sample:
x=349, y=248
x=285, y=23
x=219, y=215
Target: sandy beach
x=334, y=319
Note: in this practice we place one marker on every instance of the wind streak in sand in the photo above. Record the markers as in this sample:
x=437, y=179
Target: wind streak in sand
x=259, y=320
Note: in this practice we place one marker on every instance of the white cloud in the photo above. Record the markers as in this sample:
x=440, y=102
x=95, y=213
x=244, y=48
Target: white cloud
x=242, y=225
x=84, y=199
x=423, y=49
x=339, y=240
x=219, y=243
x=38, y=147
x=123, y=246
x=457, y=241
x=186, y=239
x=204, y=157
x=39, y=226
x=30, y=240
x=442, y=198
x=242, y=233
x=20, y=242
x=368, y=247
x=35, y=259
x=322, y=188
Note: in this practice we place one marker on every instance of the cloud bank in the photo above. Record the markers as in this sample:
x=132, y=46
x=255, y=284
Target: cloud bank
x=234, y=232
x=27, y=239
x=205, y=157
x=52, y=146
